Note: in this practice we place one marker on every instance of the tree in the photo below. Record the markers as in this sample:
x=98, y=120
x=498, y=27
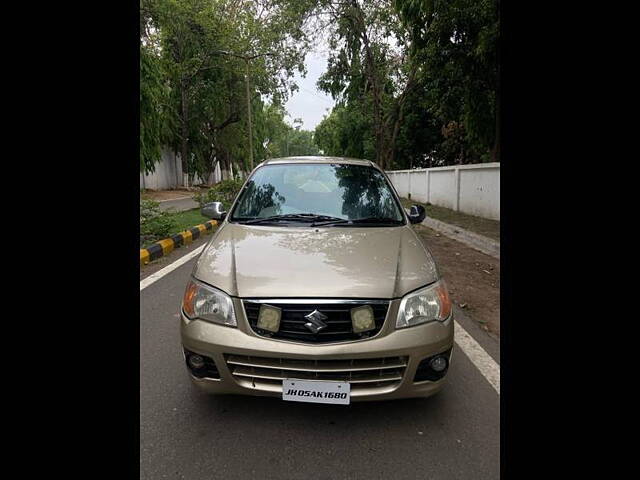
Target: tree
x=280, y=138
x=153, y=96
x=346, y=132
x=206, y=116
x=152, y=99
x=415, y=81
x=369, y=66
x=457, y=43
x=419, y=77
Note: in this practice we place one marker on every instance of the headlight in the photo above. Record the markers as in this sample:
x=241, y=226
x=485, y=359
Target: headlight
x=425, y=305
x=206, y=303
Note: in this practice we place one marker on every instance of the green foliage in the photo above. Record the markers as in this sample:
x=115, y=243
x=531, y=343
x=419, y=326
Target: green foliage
x=458, y=51
x=153, y=98
x=155, y=224
x=300, y=142
x=224, y=191
x=201, y=45
x=346, y=132
x=159, y=225
x=369, y=72
x=416, y=81
x=279, y=138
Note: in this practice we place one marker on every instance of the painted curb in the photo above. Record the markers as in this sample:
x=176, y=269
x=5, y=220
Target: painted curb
x=164, y=247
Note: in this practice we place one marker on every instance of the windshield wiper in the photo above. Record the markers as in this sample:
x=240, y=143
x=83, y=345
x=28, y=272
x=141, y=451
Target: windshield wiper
x=367, y=220
x=305, y=217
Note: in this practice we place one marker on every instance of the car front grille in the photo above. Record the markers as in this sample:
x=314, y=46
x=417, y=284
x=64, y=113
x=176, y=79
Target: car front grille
x=360, y=373
x=339, y=327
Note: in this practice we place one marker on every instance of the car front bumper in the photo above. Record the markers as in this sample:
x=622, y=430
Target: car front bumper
x=225, y=345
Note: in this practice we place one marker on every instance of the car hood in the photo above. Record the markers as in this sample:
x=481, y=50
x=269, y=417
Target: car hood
x=253, y=261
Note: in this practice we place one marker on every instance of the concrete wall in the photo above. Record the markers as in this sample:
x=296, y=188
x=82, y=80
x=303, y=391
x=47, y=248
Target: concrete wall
x=472, y=189
x=165, y=178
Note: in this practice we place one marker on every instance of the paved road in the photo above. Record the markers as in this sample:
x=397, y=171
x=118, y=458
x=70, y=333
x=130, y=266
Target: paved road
x=179, y=204
x=189, y=435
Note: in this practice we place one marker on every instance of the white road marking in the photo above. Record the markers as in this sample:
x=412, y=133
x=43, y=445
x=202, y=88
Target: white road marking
x=471, y=348
x=478, y=356
x=144, y=283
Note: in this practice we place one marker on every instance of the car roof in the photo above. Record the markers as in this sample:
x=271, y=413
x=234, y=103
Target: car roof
x=316, y=159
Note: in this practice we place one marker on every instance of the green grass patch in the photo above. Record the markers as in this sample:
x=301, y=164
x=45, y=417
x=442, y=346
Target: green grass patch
x=187, y=219
x=481, y=226
x=180, y=221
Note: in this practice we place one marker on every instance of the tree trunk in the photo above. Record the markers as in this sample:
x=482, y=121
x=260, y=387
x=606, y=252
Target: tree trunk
x=175, y=161
x=224, y=165
x=184, y=147
x=372, y=77
x=386, y=126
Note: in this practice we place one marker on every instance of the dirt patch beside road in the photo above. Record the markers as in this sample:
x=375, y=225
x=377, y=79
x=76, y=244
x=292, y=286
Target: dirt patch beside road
x=473, y=278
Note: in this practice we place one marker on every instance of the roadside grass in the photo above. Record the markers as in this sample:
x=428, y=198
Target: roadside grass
x=482, y=226
x=182, y=221
x=187, y=219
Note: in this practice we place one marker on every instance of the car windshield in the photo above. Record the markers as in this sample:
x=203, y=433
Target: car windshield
x=326, y=191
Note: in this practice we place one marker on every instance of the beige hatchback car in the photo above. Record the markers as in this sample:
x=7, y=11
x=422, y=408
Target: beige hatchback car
x=315, y=288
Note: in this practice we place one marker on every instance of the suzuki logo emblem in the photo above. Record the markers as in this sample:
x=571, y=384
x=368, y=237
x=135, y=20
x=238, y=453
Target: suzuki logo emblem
x=315, y=323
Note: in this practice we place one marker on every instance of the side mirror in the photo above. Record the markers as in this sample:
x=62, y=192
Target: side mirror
x=417, y=214
x=213, y=210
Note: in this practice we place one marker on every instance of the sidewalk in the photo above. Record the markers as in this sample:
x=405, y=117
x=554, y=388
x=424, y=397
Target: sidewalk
x=478, y=225
x=483, y=244
x=162, y=195
x=179, y=204
x=476, y=232
x=178, y=200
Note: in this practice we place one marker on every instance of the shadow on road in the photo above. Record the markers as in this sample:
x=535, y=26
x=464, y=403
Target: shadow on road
x=308, y=416
x=453, y=434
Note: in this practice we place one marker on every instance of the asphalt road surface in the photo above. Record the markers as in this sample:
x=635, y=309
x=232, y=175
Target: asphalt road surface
x=189, y=435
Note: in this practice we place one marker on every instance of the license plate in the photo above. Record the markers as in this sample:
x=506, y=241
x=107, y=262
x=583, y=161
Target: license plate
x=316, y=391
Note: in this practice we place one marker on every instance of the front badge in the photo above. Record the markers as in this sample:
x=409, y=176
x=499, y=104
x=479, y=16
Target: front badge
x=315, y=321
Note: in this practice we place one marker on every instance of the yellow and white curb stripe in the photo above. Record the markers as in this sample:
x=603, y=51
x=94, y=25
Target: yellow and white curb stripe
x=164, y=247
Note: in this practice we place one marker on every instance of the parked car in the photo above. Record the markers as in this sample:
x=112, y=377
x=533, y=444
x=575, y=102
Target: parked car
x=316, y=288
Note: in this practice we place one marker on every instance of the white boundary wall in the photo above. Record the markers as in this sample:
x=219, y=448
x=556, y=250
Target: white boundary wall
x=472, y=189
x=165, y=177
